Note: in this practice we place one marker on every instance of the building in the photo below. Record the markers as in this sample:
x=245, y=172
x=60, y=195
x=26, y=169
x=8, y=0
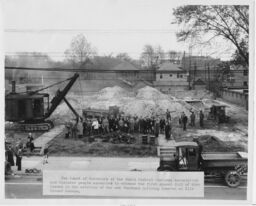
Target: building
x=199, y=85
x=237, y=78
x=171, y=77
x=204, y=68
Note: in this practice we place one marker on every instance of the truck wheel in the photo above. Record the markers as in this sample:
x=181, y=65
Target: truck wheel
x=232, y=179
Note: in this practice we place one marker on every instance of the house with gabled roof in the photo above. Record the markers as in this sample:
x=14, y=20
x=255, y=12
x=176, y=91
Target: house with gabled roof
x=171, y=77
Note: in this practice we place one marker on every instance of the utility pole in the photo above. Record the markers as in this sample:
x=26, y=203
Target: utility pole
x=194, y=71
x=208, y=77
x=189, y=68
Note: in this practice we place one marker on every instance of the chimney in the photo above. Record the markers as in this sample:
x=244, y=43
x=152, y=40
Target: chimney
x=13, y=86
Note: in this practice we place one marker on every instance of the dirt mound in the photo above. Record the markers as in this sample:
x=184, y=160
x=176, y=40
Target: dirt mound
x=146, y=102
x=111, y=92
x=151, y=94
x=214, y=144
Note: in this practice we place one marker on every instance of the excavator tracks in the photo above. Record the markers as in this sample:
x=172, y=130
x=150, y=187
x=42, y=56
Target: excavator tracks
x=25, y=127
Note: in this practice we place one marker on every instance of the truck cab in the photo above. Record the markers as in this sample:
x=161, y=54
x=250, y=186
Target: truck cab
x=187, y=156
x=183, y=156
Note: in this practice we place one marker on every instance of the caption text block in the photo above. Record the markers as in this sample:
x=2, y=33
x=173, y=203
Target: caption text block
x=123, y=184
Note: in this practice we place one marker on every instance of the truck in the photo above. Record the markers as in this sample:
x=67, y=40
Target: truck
x=218, y=114
x=188, y=156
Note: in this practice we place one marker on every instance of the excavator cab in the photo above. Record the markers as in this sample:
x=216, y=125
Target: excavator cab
x=26, y=107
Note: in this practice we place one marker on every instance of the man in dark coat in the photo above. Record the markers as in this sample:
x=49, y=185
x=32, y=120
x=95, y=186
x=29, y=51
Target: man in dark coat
x=162, y=124
x=157, y=127
x=19, y=158
x=201, y=117
x=168, y=115
x=9, y=154
x=168, y=130
x=192, y=118
x=184, y=121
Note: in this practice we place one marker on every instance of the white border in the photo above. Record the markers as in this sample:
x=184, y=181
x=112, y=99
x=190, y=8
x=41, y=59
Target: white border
x=133, y=202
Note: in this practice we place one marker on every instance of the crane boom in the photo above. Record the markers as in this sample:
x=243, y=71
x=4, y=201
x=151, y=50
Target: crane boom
x=72, y=109
x=60, y=96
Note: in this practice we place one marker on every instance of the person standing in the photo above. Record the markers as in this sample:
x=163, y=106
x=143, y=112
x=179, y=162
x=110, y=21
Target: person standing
x=157, y=127
x=95, y=126
x=168, y=115
x=162, y=125
x=105, y=123
x=9, y=154
x=132, y=125
x=80, y=128
x=74, y=130
x=32, y=146
x=192, y=118
x=29, y=140
x=121, y=124
x=201, y=119
x=168, y=130
x=19, y=158
x=184, y=121
x=45, y=154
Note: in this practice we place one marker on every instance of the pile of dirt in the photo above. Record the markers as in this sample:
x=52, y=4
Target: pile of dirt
x=146, y=102
x=61, y=147
x=115, y=92
x=214, y=144
x=150, y=93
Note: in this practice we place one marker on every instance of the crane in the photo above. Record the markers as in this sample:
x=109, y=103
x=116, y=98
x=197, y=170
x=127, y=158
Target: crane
x=30, y=110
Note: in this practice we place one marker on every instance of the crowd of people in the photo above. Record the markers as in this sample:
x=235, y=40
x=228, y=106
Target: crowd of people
x=129, y=124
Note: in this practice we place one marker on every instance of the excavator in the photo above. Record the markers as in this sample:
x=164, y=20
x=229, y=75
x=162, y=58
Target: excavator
x=29, y=111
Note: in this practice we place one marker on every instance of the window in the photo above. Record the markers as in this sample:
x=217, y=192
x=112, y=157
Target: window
x=178, y=75
x=191, y=152
x=245, y=72
x=161, y=76
x=246, y=84
x=181, y=76
x=170, y=75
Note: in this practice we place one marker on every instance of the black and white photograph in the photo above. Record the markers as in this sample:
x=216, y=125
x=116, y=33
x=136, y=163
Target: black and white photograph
x=127, y=100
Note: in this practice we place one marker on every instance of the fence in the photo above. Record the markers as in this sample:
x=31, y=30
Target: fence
x=236, y=97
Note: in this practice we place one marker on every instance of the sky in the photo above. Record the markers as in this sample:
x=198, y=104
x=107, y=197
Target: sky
x=111, y=26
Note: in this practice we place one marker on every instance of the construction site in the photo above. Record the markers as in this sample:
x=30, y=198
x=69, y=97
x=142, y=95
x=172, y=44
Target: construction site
x=222, y=132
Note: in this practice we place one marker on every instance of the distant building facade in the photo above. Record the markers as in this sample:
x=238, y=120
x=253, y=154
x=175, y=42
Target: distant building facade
x=237, y=78
x=171, y=77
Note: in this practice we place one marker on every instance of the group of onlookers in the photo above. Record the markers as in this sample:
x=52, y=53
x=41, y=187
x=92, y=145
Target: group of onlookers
x=144, y=125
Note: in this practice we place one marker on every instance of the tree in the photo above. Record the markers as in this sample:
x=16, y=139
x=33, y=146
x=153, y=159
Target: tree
x=151, y=56
x=174, y=56
x=80, y=51
x=124, y=56
x=28, y=60
x=230, y=22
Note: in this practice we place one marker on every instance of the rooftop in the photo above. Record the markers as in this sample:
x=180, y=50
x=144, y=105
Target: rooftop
x=169, y=66
x=125, y=66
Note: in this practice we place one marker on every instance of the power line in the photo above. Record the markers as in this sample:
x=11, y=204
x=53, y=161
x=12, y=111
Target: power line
x=104, y=31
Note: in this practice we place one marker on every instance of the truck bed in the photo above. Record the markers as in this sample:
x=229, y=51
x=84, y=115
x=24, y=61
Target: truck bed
x=218, y=159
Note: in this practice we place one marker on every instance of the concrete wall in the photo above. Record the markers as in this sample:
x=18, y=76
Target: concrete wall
x=235, y=97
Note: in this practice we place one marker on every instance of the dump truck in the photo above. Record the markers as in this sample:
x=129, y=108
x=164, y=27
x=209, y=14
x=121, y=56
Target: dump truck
x=188, y=156
x=218, y=113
